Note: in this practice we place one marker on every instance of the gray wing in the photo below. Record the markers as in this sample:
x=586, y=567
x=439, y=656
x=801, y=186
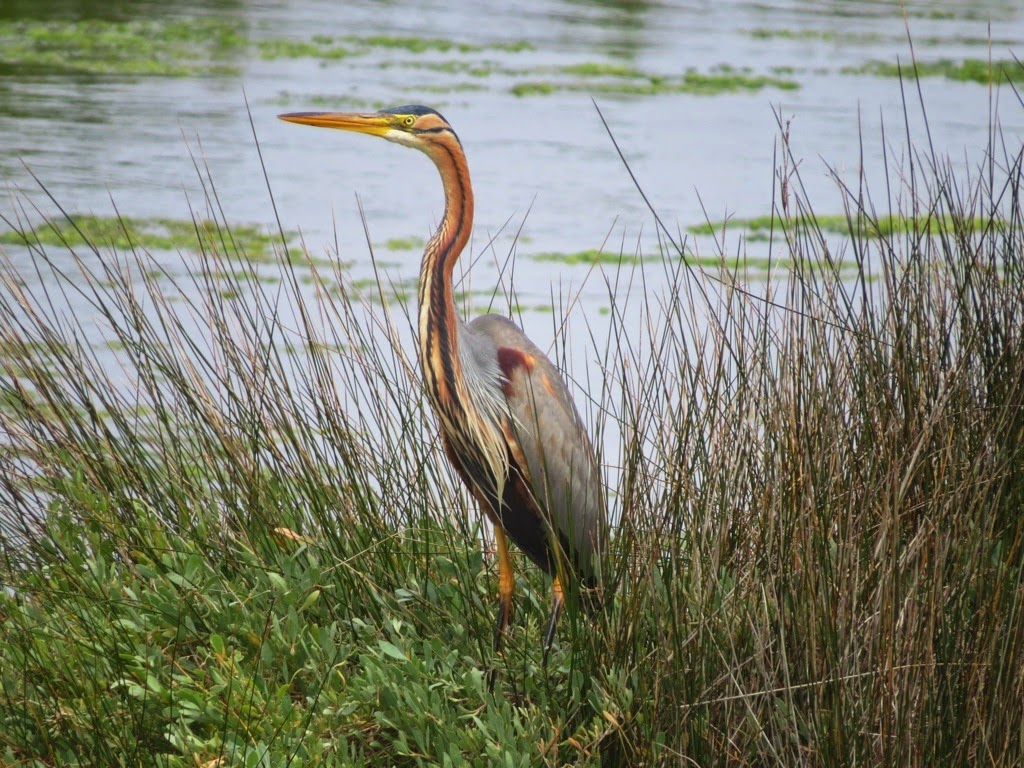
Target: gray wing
x=546, y=438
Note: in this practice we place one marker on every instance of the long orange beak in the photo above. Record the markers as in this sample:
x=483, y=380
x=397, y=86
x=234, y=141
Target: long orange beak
x=346, y=121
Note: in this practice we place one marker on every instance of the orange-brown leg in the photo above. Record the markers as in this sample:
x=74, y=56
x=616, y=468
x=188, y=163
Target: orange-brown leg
x=506, y=586
x=556, y=610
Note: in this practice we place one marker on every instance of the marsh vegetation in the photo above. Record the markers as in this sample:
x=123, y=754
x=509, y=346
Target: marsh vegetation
x=228, y=535
x=227, y=553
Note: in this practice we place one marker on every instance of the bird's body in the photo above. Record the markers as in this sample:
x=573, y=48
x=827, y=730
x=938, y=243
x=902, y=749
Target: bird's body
x=507, y=420
x=548, y=473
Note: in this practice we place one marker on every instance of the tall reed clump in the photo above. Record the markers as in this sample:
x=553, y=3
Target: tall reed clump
x=229, y=536
x=824, y=534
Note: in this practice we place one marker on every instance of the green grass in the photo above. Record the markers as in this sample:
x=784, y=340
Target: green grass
x=239, y=543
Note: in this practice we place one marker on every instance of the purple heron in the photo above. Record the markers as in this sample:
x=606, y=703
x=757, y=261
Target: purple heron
x=508, y=423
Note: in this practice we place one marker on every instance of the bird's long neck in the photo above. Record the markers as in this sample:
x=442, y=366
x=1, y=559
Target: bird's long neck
x=438, y=324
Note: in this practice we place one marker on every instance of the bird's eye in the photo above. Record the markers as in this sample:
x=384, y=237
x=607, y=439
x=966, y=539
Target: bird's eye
x=409, y=121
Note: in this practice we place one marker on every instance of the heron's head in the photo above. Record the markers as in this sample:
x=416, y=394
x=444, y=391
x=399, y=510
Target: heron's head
x=414, y=126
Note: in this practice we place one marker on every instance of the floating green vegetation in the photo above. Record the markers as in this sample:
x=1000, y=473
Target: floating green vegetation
x=764, y=33
x=590, y=256
x=968, y=70
x=179, y=48
x=591, y=77
x=517, y=308
x=732, y=264
x=471, y=68
x=598, y=69
x=21, y=356
x=976, y=40
x=327, y=47
x=758, y=228
x=388, y=290
x=189, y=47
x=279, y=48
x=441, y=45
x=844, y=36
x=237, y=277
x=288, y=98
x=404, y=291
x=403, y=244
x=155, y=234
x=619, y=80
x=451, y=88
x=727, y=80
x=536, y=88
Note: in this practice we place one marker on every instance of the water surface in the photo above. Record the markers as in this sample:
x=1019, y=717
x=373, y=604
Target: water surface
x=693, y=92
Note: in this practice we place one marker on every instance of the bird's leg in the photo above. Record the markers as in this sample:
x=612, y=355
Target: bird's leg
x=506, y=586
x=556, y=610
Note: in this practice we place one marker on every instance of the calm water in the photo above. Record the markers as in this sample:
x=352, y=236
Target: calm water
x=542, y=161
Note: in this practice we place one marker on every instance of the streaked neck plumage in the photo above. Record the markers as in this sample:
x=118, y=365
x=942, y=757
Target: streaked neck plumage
x=438, y=322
